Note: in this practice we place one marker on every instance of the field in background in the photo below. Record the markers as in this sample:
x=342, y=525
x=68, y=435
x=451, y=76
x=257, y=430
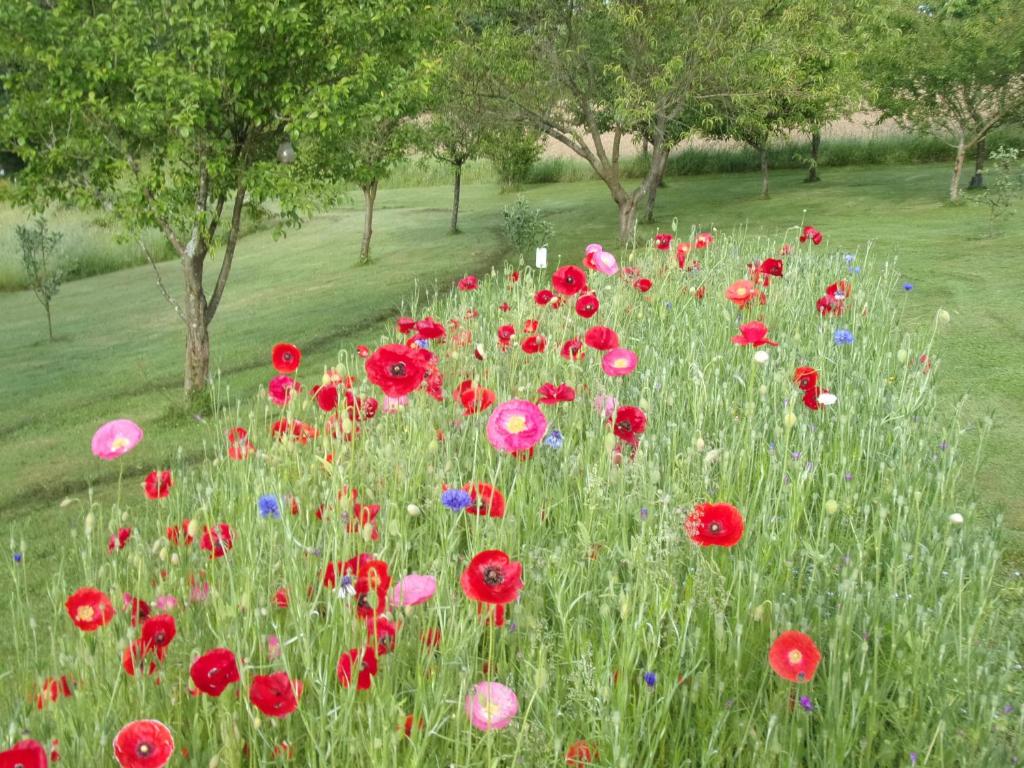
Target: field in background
x=120, y=347
x=91, y=249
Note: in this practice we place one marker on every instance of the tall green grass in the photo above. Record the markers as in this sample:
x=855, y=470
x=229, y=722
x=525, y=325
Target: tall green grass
x=627, y=634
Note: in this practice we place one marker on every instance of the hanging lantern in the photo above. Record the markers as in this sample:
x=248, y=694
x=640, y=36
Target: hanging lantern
x=286, y=152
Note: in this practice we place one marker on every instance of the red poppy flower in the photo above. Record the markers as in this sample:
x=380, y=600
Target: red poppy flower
x=794, y=656
x=144, y=744
x=771, y=267
x=239, y=446
x=504, y=306
x=140, y=609
x=179, y=534
x=216, y=540
x=601, y=337
x=704, y=239
x=136, y=653
x=682, y=251
x=214, y=671
x=551, y=394
x=360, y=408
x=715, y=524
x=364, y=661
x=326, y=396
x=534, y=344
x=492, y=578
x=275, y=695
x=812, y=233
x=363, y=351
x=513, y=277
x=580, y=754
x=372, y=582
x=405, y=325
x=530, y=326
x=286, y=358
x=396, y=369
x=25, y=754
x=543, y=296
x=811, y=395
x=364, y=515
x=805, y=378
x=642, y=284
x=587, y=305
x=431, y=637
x=381, y=633
x=429, y=328
x=473, y=398
x=158, y=484
x=158, y=631
x=505, y=334
x=89, y=609
x=119, y=539
x=572, y=350
x=629, y=423
x=468, y=283
x=662, y=241
x=754, y=334
x=741, y=292
x=569, y=280
x=487, y=500
x=52, y=690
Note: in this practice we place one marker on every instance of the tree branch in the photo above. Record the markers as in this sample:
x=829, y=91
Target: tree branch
x=229, y=254
x=160, y=281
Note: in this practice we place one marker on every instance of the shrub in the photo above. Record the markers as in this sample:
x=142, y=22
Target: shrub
x=526, y=227
x=513, y=152
x=1005, y=186
x=43, y=264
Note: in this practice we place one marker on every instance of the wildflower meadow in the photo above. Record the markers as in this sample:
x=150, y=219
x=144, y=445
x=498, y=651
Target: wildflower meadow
x=688, y=504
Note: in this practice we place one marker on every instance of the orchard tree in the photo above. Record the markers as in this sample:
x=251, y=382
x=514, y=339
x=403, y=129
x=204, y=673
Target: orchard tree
x=952, y=69
x=170, y=115
x=591, y=73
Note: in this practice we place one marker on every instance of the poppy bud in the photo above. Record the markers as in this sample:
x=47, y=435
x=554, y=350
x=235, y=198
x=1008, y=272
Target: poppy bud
x=789, y=420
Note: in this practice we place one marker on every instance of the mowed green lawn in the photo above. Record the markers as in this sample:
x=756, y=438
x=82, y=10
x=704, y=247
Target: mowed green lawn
x=120, y=348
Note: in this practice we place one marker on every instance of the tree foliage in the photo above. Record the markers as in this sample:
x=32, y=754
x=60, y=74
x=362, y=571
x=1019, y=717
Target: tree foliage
x=951, y=69
x=169, y=114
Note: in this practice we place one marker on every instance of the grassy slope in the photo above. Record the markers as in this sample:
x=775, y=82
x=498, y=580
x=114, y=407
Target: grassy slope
x=120, y=352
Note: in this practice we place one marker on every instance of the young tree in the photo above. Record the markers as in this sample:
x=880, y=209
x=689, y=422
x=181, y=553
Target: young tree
x=41, y=259
x=171, y=116
x=952, y=69
x=589, y=73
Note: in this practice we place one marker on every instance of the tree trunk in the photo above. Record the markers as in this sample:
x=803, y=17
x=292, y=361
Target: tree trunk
x=454, y=230
x=645, y=148
x=369, y=196
x=49, y=321
x=197, y=337
x=627, y=219
x=764, y=172
x=652, y=193
x=958, y=166
x=978, y=180
x=812, y=172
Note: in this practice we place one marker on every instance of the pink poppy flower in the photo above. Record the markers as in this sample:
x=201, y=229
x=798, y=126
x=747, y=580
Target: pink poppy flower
x=491, y=706
x=606, y=405
x=281, y=388
x=516, y=425
x=605, y=263
x=754, y=334
x=115, y=438
x=166, y=602
x=273, y=647
x=394, y=404
x=619, y=361
x=413, y=590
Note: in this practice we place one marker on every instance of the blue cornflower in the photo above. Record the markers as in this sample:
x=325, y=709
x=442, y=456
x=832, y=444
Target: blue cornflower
x=17, y=557
x=855, y=269
x=423, y=343
x=908, y=286
x=806, y=703
x=269, y=507
x=456, y=499
x=843, y=336
x=849, y=257
x=650, y=678
x=554, y=439
x=644, y=513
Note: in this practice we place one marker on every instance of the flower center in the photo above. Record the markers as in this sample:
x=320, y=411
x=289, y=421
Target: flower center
x=490, y=709
x=515, y=424
x=624, y=426
x=794, y=657
x=715, y=528
x=120, y=443
x=398, y=369
x=493, y=576
x=143, y=749
x=620, y=362
x=85, y=613
x=741, y=292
